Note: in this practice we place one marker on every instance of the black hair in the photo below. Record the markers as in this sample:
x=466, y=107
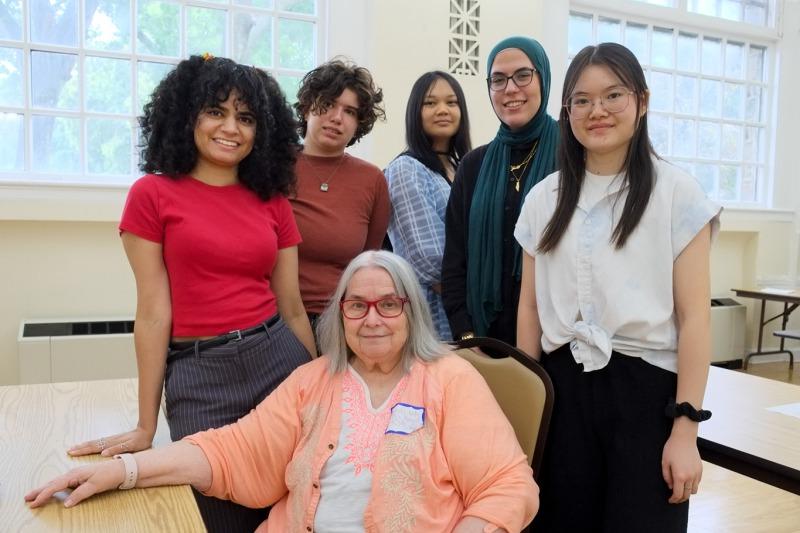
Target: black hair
x=320, y=88
x=638, y=168
x=169, y=120
x=418, y=144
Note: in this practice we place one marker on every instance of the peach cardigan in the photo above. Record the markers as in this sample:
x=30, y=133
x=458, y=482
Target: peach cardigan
x=465, y=460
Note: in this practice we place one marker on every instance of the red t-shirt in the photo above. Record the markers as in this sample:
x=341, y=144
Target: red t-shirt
x=220, y=245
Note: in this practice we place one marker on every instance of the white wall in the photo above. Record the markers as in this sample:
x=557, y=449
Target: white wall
x=60, y=255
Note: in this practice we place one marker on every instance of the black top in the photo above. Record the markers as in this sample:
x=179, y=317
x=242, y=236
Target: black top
x=454, y=261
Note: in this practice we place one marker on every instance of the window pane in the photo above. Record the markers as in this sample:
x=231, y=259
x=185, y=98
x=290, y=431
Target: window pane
x=710, y=98
x=609, y=30
x=56, y=22
x=658, y=127
x=707, y=176
x=580, y=32
x=683, y=138
x=11, y=93
x=712, y=56
x=750, y=152
x=734, y=60
x=731, y=9
x=733, y=101
x=54, y=80
x=749, y=184
x=252, y=39
x=636, y=41
x=256, y=3
x=56, y=147
x=205, y=31
x=662, y=48
x=704, y=7
x=12, y=131
x=731, y=141
x=289, y=86
x=729, y=182
x=661, y=91
x=108, y=85
x=686, y=95
x=108, y=146
x=149, y=75
x=687, y=52
x=708, y=136
x=11, y=28
x=298, y=6
x=754, y=104
x=158, y=28
x=296, y=48
x=755, y=14
x=755, y=63
x=108, y=26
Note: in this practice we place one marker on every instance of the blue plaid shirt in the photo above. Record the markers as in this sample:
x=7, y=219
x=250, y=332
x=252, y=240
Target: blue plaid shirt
x=416, y=228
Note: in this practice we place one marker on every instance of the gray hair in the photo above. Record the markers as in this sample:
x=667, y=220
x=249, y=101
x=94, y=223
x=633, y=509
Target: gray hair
x=422, y=343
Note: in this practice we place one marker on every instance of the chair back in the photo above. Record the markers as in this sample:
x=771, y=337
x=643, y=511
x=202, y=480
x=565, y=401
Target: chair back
x=521, y=387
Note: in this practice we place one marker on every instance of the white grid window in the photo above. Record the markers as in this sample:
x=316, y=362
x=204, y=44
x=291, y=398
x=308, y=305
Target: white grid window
x=74, y=74
x=757, y=12
x=710, y=98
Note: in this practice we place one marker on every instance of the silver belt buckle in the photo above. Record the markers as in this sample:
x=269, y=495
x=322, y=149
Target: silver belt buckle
x=238, y=334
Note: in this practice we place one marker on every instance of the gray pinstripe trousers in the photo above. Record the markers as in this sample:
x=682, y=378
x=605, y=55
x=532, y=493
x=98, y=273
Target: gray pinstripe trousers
x=219, y=385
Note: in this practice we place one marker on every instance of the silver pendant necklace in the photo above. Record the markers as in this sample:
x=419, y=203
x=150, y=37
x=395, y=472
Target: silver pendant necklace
x=324, y=183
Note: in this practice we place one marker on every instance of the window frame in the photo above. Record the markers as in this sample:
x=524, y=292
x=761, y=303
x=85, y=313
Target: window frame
x=26, y=182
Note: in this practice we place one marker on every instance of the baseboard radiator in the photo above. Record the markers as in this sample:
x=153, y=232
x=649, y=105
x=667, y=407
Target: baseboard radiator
x=52, y=351
x=728, y=323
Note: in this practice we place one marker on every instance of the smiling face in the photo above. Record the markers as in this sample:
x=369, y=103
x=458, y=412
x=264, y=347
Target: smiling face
x=605, y=136
x=329, y=132
x=515, y=106
x=223, y=135
x=375, y=340
x=440, y=114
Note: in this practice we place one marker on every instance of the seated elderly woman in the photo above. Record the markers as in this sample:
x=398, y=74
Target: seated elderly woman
x=389, y=431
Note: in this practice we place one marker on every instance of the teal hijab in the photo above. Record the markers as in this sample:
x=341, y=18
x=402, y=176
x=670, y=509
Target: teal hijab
x=485, y=239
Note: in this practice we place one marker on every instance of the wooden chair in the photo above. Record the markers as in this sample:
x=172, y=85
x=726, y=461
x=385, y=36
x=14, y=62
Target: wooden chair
x=522, y=389
x=788, y=334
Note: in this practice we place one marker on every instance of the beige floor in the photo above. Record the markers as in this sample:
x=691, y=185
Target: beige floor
x=778, y=370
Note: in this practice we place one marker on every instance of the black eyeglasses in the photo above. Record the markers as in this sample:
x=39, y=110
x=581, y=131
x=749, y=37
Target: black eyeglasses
x=388, y=307
x=522, y=77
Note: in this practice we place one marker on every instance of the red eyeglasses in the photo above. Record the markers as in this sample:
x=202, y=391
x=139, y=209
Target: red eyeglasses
x=388, y=307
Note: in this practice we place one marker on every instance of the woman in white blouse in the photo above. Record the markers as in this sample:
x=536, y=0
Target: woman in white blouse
x=615, y=292
x=437, y=136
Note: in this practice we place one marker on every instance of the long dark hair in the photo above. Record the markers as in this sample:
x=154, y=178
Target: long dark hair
x=419, y=145
x=638, y=169
x=169, y=120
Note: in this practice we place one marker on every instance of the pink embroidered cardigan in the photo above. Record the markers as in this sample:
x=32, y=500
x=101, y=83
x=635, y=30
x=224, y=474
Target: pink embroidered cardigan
x=465, y=460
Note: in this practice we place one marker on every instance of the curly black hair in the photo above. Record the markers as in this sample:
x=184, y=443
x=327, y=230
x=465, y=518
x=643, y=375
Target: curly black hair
x=322, y=86
x=169, y=120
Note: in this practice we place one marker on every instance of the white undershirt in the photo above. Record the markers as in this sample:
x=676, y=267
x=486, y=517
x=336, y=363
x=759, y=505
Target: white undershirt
x=346, y=478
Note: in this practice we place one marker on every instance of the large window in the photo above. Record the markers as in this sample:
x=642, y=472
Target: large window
x=74, y=74
x=711, y=95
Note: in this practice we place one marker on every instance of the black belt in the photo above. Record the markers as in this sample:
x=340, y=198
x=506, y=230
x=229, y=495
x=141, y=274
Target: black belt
x=188, y=347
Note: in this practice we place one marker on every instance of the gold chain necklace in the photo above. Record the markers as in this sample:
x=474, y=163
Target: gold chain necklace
x=323, y=183
x=523, y=165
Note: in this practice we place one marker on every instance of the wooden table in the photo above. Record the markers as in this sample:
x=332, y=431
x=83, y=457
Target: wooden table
x=39, y=422
x=746, y=437
x=790, y=302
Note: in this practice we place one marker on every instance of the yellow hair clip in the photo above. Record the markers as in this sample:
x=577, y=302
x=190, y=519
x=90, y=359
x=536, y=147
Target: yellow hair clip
x=207, y=56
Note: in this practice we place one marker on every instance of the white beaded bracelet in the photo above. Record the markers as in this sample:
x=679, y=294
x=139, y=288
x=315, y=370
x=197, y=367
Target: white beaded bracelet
x=131, y=470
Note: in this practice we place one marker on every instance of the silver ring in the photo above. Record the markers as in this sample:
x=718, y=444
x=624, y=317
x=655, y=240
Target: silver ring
x=101, y=443
x=125, y=446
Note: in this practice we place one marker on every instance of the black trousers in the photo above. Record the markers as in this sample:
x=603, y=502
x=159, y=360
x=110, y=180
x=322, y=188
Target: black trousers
x=217, y=386
x=602, y=467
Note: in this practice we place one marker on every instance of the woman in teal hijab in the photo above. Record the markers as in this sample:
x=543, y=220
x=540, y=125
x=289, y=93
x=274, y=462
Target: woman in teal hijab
x=482, y=263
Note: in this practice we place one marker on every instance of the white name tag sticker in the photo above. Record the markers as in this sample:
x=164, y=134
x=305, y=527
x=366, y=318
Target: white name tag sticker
x=406, y=419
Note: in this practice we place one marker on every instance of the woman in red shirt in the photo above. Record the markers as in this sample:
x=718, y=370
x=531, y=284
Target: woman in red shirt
x=212, y=242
